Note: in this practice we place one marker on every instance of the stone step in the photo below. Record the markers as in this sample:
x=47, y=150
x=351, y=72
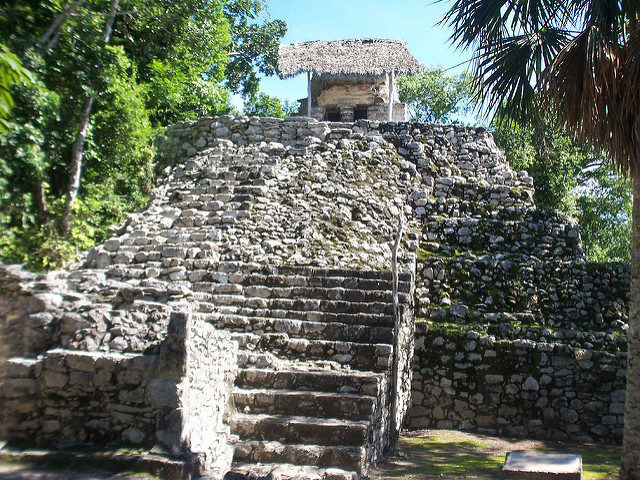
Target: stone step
x=453, y=207
x=304, y=305
x=283, y=471
x=251, y=360
x=303, y=293
x=306, y=430
x=361, y=356
x=318, y=404
x=354, y=318
x=349, y=457
x=302, y=328
x=367, y=383
x=350, y=282
x=482, y=191
x=461, y=313
x=518, y=283
x=540, y=233
x=336, y=272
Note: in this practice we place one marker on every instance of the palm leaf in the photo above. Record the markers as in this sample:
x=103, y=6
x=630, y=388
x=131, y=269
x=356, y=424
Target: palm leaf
x=483, y=22
x=508, y=72
x=588, y=88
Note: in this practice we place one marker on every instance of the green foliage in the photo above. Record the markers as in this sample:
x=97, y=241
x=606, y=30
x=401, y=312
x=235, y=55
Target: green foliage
x=604, y=213
x=434, y=96
x=263, y=105
x=572, y=178
x=552, y=158
x=177, y=93
x=180, y=50
x=166, y=62
x=11, y=72
x=28, y=152
x=254, y=45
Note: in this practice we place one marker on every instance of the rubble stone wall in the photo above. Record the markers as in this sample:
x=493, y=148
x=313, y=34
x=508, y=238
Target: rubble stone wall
x=517, y=334
x=28, y=303
x=192, y=389
x=474, y=381
x=78, y=397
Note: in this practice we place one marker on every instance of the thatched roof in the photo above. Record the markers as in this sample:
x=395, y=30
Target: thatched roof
x=366, y=56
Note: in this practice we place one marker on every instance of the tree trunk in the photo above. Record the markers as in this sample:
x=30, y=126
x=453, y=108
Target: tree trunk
x=75, y=166
x=40, y=200
x=630, y=467
x=52, y=31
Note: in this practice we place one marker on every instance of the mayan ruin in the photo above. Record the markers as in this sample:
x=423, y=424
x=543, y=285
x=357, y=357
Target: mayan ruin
x=260, y=279
x=262, y=240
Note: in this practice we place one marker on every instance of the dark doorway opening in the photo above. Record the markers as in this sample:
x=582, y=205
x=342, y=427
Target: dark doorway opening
x=333, y=115
x=360, y=113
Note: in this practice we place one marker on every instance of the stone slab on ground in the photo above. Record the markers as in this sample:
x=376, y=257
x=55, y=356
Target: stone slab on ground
x=542, y=466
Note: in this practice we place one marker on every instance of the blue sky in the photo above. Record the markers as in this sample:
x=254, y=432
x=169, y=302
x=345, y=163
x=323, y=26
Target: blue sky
x=411, y=20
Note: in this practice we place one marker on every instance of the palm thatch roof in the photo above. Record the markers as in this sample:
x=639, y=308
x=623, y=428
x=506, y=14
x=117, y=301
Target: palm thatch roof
x=365, y=56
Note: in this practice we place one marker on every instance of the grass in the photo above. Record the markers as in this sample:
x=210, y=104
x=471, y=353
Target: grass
x=443, y=457
x=600, y=463
x=451, y=454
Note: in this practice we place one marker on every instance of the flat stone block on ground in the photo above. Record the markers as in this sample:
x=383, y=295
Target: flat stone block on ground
x=543, y=466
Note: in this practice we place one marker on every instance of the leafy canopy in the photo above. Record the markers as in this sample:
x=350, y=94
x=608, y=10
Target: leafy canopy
x=434, y=96
x=263, y=105
x=11, y=72
x=166, y=62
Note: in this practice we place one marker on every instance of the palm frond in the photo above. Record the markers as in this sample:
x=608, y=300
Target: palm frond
x=483, y=22
x=607, y=15
x=507, y=73
x=587, y=86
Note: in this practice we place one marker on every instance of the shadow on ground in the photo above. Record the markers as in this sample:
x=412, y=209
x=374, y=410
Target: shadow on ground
x=450, y=454
x=11, y=471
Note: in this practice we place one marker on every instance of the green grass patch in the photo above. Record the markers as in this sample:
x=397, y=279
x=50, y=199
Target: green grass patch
x=440, y=456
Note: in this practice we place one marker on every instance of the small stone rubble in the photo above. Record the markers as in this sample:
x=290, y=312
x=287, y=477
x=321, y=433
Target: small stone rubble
x=275, y=236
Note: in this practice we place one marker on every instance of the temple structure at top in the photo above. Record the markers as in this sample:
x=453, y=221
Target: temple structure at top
x=350, y=80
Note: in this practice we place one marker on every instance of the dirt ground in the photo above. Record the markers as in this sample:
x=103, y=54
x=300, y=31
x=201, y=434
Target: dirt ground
x=448, y=454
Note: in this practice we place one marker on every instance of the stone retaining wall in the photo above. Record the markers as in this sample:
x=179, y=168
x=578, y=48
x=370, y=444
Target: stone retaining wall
x=66, y=397
x=561, y=294
x=473, y=381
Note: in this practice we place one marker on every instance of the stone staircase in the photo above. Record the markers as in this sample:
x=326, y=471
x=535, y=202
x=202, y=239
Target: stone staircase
x=313, y=391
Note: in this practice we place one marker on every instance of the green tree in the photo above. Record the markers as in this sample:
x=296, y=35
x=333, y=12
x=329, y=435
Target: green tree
x=603, y=202
x=435, y=97
x=84, y=129
x=11, y=72
x=552, y=158
x=254, y=47
x=581, y=59
x=262, y=105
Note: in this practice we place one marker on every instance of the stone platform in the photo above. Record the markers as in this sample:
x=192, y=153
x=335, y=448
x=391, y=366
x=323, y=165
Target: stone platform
x=542, y=466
